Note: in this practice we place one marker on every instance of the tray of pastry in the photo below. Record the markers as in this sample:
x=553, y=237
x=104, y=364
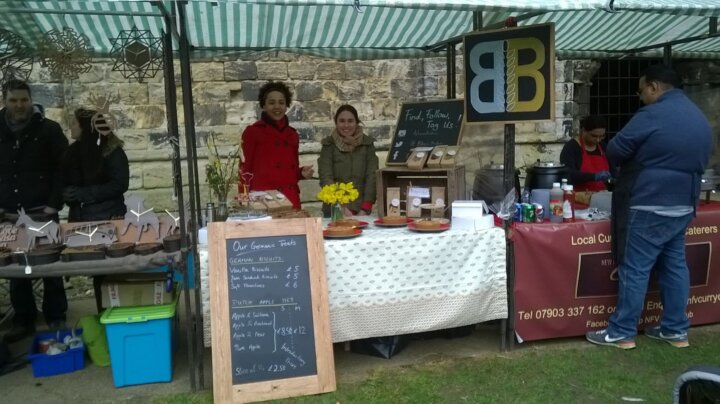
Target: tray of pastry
x=36, y=257
x=83, y=253
x=148, y=248
x=118, y=250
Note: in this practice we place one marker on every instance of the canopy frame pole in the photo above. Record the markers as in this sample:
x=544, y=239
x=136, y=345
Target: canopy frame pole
x=451, y=58
x=507, y=326
x=170, y=25
x=193, y=178
x=477, y=22
x=667, y=55
x=174, y=133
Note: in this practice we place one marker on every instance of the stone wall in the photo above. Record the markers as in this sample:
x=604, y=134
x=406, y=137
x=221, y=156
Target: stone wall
x=225, y=100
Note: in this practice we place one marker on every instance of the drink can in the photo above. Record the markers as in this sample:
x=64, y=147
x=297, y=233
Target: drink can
x=517, y=216
x=539, y=213
x=528, y=215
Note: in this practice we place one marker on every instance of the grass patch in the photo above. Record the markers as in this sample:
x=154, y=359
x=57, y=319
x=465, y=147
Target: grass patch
x=535, y=373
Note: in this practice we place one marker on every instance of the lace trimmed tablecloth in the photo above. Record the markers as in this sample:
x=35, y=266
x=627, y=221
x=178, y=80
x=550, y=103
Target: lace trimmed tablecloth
x=392, y=281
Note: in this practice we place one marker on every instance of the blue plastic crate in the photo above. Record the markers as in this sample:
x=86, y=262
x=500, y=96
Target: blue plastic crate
x=49, y=365
x=140, y=339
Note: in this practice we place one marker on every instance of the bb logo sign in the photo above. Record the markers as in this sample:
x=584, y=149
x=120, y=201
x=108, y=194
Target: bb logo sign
x=510, y=74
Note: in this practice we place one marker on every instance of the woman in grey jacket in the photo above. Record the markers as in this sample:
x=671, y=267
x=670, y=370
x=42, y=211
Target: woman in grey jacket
x=348, y=155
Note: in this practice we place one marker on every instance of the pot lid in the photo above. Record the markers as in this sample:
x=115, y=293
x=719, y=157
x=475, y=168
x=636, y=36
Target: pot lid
x=548, y=164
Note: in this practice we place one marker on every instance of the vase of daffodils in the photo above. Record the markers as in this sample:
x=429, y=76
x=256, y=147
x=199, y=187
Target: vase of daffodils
x=336, y=195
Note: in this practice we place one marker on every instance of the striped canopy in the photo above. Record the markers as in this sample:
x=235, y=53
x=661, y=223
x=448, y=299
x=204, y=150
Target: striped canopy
x=367, y=29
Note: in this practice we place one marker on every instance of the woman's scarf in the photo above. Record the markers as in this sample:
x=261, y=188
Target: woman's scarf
x=348, y=144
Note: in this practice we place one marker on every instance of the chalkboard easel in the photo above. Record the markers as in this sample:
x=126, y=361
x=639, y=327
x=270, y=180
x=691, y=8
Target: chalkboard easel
x=269, y=310
x=426, y=124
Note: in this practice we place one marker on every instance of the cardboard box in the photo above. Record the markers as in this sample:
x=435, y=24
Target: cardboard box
x=418, y=157
x=450, y=157
x=471, y=215
x=393, y=202
x=135, y=290
x=436, y=155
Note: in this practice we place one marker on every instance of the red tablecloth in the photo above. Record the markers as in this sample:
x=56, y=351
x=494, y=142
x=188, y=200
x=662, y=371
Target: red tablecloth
x=566, y=284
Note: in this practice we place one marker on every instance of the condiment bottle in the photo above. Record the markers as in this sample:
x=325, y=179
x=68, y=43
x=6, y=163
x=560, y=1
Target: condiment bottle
x=568, y=211
x=556, y=203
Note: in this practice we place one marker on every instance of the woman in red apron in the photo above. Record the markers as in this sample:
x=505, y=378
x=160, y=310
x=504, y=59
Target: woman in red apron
x=584, y=157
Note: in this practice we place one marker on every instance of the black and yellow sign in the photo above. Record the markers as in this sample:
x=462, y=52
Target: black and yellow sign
x=510, y=74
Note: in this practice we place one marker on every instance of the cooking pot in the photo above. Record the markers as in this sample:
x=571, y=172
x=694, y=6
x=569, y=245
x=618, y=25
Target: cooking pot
x=488, y=184
x=709, y=180
x=543, y=173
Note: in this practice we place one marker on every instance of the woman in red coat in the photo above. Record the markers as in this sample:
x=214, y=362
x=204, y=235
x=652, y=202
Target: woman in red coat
x=270, y=148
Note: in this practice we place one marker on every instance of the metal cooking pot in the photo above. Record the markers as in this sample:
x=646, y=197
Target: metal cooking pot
x=543, y=173
x=709, y=180
x=488, y=184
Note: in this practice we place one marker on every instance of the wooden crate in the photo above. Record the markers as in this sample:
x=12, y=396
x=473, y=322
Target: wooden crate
x=452, y=178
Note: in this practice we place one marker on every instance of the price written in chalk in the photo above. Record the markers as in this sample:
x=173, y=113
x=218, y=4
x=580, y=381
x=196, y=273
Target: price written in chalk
x=270, y=318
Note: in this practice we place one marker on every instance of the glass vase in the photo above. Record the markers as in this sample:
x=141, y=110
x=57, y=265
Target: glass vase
x=221, y=211
x=336, y=212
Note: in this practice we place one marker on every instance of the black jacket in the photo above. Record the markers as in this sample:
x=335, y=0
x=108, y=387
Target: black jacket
x=96, y=195
x=29, y=164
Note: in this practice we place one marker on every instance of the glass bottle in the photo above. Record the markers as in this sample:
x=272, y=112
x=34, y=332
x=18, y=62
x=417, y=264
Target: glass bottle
x=568, y=212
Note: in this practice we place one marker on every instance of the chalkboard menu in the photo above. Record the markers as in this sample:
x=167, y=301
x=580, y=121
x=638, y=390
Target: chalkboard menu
x=271, y=324
x=269, y=310
x=426, y=124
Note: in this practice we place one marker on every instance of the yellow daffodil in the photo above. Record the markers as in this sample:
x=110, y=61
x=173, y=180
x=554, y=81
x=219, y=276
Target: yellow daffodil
x=338, y=192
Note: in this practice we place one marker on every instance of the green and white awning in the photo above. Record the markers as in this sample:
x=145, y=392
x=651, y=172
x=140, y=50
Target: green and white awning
x=707, y=8
x=593, y=34
x=366, y=29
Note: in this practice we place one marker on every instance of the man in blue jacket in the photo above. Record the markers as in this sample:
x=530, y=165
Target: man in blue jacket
x=662, y=153
x=31, y=148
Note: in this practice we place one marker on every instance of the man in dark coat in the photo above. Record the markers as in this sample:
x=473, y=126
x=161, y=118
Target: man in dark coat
x=662, y=153
x=31, y=149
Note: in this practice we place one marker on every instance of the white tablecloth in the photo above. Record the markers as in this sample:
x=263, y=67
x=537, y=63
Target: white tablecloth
x=391, y=281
